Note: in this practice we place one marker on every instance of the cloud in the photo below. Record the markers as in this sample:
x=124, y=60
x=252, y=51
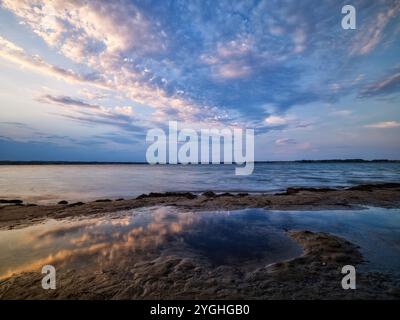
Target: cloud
x=21, y=132
x=388, y=85
x=66, y=101
x=121, y=117
x=11, y=52
x=368, y=38
x=299, y=40
x=81, y=150
x=384, y=125
x=232, y=70
x=121, y=29
x=82, y=27
x=138, y=52
x=119, y=138
x=93, y=94
x=14, y=124
x=232, y=60
x=200, y=65
x=276, y=121
x=285, y=141
x=122, y=44
x=342, y=113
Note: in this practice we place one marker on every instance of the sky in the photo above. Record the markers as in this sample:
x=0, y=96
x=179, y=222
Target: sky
x=85, y=80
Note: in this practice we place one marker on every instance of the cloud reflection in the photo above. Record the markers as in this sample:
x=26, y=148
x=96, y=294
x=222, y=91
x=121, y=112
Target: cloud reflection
x=97, y=242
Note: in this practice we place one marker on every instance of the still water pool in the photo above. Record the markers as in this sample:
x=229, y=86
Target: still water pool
x=244, y=238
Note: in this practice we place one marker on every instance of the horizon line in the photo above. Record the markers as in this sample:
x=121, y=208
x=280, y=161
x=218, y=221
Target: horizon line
x=64, y=162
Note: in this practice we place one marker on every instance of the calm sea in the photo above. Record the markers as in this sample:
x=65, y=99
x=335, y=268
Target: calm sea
x=51, y=183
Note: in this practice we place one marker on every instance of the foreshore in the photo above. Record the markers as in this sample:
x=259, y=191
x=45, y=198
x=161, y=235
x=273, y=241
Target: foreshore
x=179, y=273
x=316, y=274
x=387, y=195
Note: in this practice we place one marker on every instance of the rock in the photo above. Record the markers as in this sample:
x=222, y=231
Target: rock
x=371, y=187
x=63, y=202
x=394, y=292
x=120, y=199
x=209, y=194
x=242, y=194
x=14, y=201
x=187, y=195
x=76, y=204
x=291, y=191
x=103, y=200
x=225, y=194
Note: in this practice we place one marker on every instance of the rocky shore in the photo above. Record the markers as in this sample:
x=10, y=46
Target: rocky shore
x=14, y=213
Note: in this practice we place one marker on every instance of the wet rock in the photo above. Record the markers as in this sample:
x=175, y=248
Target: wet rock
x=291, y=191
x=190, y=195
x=371, y=187
x=209, y=194
x=76, y=204
x=225, y=194
x=187, y=195
x=242, y=194
x=395, y=292
x=13, y=201
x=63, y=202
x=120, y=199
x=103, y=200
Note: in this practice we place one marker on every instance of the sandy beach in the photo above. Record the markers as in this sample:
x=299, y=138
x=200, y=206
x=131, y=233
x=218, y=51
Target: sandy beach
x=181, y=273
x=315, y=274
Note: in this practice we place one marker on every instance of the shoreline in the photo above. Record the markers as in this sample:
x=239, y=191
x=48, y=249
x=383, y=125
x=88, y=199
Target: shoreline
x=60, y=162
x=387, y=195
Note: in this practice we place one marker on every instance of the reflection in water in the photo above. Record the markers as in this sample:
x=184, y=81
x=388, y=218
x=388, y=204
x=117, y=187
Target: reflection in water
x=226, y=239
x=142, y=235
x=245, y=239
x=91, y=242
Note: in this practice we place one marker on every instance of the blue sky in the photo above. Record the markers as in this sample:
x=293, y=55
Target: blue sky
x=85, y=80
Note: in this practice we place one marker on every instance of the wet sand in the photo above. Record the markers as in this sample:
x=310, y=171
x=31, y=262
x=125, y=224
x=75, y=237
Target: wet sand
x=316, y=274
x=379, y=195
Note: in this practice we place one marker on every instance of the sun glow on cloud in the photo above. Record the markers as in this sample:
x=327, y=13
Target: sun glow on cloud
x=384, y=125
x=133, y=65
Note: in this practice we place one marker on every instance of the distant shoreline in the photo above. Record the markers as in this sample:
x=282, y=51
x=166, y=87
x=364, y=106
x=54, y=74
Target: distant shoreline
x=11, y=162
